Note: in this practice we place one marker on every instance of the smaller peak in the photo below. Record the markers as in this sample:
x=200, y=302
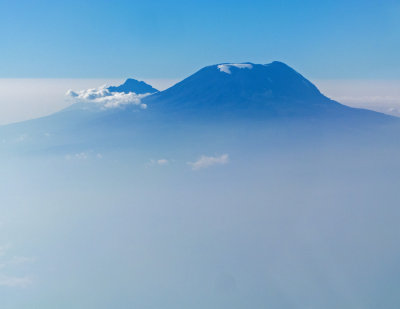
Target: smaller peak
x=133, y=85
x=129, y=81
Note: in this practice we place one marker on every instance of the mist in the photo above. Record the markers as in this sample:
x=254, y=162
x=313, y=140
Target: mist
x=289, y=219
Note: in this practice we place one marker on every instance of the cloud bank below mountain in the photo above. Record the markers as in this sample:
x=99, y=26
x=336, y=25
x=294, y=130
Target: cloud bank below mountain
x=107, y=99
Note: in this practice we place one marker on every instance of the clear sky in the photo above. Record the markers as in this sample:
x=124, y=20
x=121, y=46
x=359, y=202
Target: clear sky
x=171, y=39
x=121, y=212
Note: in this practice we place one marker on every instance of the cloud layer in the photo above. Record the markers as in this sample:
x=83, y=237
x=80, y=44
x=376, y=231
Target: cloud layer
x=381, y=96
x=205, y=161
x=107, y=99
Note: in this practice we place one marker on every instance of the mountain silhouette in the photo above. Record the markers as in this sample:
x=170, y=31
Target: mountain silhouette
x=252, y=90
x=227, y=96
x=133, y=85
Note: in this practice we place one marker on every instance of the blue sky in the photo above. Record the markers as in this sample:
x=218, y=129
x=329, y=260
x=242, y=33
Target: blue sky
x=171, y=39
x=229, y=215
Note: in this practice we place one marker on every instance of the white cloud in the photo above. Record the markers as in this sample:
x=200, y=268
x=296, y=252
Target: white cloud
x=84, y=155
x=226, y=68
x=158, y=162
x=162, y=162
x=77, y=156
x=11, y=281
x=17, y=260
x=107, y=99
x=23, y=99
x=205, y=161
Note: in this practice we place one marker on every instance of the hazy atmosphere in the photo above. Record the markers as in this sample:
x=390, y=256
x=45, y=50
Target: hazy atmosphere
x=24, y=99
x=180, y=155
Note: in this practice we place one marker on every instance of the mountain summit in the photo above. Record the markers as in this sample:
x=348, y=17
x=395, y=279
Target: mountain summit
x=244, y=82
x=267, y=91
x=226, y=93
x=133, y=85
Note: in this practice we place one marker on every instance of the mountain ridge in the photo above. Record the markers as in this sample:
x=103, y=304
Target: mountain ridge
x=262, y=91
x=248, y=91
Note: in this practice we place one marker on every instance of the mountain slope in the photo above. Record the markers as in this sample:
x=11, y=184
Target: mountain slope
x=252, y=90
x=262, y=97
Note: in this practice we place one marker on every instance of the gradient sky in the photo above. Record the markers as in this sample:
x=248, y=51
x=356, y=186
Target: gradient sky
x=211, y=215
x=171, y=39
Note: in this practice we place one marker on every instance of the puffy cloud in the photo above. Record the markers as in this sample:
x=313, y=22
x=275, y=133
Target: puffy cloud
x=107, y=99
x=226, y=68
x=205, y=161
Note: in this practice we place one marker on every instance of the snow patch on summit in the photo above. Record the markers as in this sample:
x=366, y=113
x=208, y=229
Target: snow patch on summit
x=226, y=68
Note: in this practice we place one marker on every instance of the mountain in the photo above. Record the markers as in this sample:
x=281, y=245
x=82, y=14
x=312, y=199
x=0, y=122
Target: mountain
x=133, y=85
x=252, y=90
x=224, y=97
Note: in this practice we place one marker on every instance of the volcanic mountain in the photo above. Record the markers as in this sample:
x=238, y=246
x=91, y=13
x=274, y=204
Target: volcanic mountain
x=252, y=90
x=133, y=85
x=224, y=93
